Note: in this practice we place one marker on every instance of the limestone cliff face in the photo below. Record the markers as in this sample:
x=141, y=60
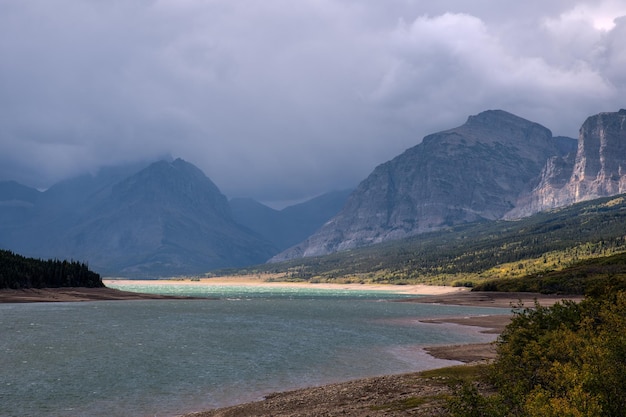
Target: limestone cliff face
x=473, y=172
x=554, y=176
x=598, y=169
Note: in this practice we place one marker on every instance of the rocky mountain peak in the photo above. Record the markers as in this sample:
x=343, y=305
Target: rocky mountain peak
x=163, y=219
x=597, y=169
x=499, y=125
x=473, y=172
x=491, y=118
x=177, y=182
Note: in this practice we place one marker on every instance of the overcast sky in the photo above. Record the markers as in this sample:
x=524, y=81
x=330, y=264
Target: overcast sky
x=280, y=100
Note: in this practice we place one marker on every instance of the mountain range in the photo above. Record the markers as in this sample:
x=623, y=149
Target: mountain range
x=160, y=219
x=291, y=225
x=474, y=172
x=495, y=166
x=167, y=218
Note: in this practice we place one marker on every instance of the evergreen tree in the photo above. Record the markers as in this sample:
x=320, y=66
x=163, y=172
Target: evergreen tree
x=17, y=271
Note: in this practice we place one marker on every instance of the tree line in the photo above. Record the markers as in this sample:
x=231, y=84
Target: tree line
x=17, y=272
x=585, y=277
x=590, y=229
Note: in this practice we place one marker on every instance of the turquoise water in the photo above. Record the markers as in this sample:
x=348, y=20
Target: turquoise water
x=167, y=357
x=253, y=291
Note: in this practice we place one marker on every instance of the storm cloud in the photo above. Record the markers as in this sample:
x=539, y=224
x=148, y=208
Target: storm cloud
x=281, y=100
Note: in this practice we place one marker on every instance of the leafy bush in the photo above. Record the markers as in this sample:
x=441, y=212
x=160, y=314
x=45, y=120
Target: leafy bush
x=564, y=360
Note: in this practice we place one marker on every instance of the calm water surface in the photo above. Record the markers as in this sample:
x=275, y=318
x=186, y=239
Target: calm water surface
x=167, y=357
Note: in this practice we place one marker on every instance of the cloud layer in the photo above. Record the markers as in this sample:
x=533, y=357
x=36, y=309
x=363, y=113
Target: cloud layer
x=282, y=100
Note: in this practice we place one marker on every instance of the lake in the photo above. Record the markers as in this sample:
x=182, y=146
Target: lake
x=168, y=357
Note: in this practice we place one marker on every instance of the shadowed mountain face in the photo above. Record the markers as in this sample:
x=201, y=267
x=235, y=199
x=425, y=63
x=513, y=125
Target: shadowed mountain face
x=17, y=204
x=165, y=219
x=291, y=225
x=474, y=172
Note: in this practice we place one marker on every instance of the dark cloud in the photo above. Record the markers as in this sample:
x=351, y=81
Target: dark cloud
x=281, y=100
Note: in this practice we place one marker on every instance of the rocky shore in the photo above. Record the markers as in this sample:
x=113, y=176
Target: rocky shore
x=394, y=395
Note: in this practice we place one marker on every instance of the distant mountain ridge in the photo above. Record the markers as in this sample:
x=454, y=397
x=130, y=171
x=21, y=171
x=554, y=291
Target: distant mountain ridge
x=291, y=225
x=148, y=220
x=474, y=172
x=165, y=219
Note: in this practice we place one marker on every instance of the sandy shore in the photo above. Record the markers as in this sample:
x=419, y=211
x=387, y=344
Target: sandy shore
x=493, y=299
x=251, y=281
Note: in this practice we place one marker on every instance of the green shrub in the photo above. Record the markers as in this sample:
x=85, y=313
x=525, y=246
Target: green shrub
x=564, y=360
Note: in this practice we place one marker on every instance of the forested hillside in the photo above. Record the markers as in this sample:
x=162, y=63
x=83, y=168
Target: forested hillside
x=468, y=254
x=17, y=271
x=587, y=277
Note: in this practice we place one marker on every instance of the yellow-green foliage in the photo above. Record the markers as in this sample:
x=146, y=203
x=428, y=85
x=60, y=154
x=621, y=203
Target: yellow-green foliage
x=472, y=253
x=588, y=276
x=612, y=203
x=565, y=360
x=549, y=261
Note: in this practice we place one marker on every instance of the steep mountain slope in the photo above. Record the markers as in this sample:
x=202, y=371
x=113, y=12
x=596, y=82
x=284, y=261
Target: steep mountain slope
x=165, y=219
x=597, y=169
x=13, y=193
x=17, y=204
x=477, y=251
x=286, y=227
x=474, y=172
x=48, y=214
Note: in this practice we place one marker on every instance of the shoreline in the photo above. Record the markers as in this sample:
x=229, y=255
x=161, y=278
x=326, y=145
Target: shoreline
x=75, y=294
x=427, y=293
x=389, y=395
x=375, y=396
x=248, y=281
x=395, y=395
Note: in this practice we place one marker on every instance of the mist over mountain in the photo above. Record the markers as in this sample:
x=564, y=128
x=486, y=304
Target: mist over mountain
x=168, y=218
x=495, y=166
x=17, y=204
x=152, y=219
x=165, y=219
